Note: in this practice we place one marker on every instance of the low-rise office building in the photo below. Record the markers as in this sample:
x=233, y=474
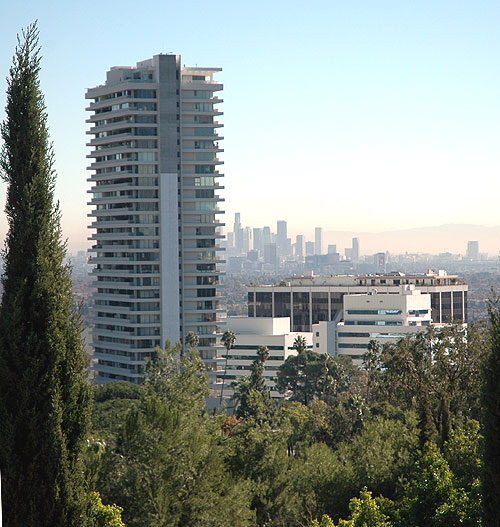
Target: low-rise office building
x=308, y=300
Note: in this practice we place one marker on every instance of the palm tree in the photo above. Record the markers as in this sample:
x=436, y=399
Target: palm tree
x=300, y=344
x=228, y=339
x=263, y=353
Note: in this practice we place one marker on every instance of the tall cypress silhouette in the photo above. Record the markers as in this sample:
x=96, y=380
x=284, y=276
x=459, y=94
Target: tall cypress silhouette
x=44, y=396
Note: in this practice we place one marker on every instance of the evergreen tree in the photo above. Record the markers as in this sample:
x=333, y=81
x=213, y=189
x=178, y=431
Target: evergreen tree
x=308, y=376
x=44, y=396
x=192, y=340
x=428, y=430
x=251, y=393
x=491, y=422
x=372, y=364
x=257, y=381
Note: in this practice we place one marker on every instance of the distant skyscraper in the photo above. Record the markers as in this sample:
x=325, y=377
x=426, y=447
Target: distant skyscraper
x=355, y=250
x=257, y=239
x=266, y=235
x=299, y=247
x=332, y=249
x=238, y=234
x=237, y=221
x=310, y=247
x=271, y=254
x=318, y=240
x=380, y=262
x=154, y=174
x=247, y=238
x=281, y=230
x=473, y=250
x=253, y=255
x=281, y=238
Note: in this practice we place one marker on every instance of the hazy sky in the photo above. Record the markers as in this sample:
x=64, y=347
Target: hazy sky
x=355, y=115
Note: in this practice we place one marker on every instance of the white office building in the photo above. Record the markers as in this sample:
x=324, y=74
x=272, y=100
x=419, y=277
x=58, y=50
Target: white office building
x=381, y=317
x=308, y=300
x=251, y=333
x=155, y=212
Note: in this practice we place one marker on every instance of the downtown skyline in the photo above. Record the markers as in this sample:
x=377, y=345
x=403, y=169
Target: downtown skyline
x=435, y=240
x=358, y=118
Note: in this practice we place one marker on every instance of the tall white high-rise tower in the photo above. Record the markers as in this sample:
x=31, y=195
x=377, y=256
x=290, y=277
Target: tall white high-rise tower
x=155, y=210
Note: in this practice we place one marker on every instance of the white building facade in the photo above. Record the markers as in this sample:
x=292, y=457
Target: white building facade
x=381, y=317
x=155, y=212
x=251, y=333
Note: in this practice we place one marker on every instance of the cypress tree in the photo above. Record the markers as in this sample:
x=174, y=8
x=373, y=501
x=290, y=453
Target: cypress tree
x=257, y=381
x=491, y=422
x=426, y=425
x=44, y=396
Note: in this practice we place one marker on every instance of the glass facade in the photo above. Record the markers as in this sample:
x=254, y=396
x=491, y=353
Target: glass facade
x=313, y=306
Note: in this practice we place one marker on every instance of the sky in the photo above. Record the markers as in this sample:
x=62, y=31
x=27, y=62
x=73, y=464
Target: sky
x=355, y=115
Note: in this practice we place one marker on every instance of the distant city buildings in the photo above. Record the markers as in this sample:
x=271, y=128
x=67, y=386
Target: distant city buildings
x=310, y=248
x=257, y=240
x=298, y=255
x=473, y=250
x=380, y=262
x=271, y=255
x=295, y=256
x=272, y=251
x=283, y=243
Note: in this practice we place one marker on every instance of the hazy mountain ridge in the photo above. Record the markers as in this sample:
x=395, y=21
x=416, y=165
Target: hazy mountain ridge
x=451, y=238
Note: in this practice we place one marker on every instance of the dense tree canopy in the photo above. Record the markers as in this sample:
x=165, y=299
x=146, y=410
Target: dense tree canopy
x=165, y=466
x=491, y=399
x=354, y=451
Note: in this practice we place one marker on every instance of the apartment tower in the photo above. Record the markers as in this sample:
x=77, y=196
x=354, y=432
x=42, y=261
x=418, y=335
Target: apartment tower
x=155, y=209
